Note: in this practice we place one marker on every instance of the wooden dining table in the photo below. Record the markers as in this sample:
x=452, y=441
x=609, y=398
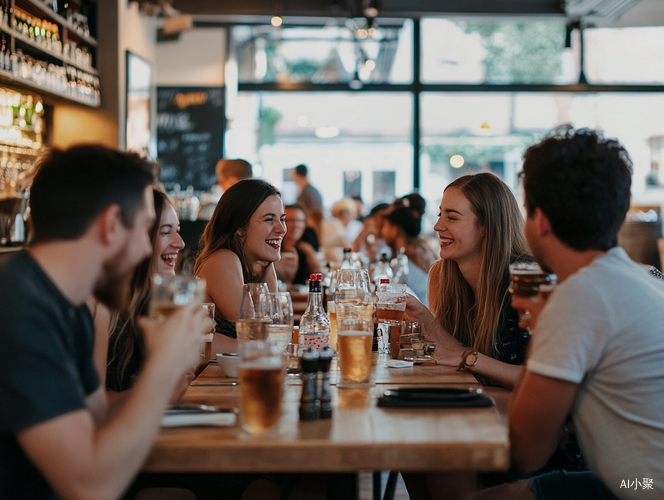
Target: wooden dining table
x=360, y=436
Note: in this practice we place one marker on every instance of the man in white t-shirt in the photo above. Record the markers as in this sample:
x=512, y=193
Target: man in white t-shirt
x=597, y=351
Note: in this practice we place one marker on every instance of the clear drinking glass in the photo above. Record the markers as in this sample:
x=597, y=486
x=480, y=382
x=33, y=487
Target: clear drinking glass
x=527, y=279
x=172, y=291
x=254, y=318
x=261, y=385
x=280, y=311
x=354, y=309
x=206, y=348
x=390, y=312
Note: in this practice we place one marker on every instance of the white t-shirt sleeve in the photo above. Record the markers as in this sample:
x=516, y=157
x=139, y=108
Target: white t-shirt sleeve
x=572, y=332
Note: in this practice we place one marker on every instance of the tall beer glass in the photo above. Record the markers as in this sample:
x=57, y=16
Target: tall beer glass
x=355, y=326
x=261, y=378
x=171, y=291
x=527, y=279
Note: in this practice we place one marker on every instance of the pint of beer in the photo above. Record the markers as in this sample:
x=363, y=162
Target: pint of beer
x=391, y=303
x=170, y=291
x=527, y=279
x=261, y=378
x=354, y=350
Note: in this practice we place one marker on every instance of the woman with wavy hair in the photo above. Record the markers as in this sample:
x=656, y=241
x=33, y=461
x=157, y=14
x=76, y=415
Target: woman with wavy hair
x=241, y=243
x=480, y=229
x=126, y=348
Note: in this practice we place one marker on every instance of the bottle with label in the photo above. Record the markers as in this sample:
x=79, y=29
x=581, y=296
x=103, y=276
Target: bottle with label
x=315, y=325
x=382, y=270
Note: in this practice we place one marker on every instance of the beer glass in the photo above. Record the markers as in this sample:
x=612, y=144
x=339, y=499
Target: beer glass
x=206, y=347
x=172, y=291
x=527, y=279
x=254, y=319
x=391, y=303
x=280, y=312
x=390, y=312
x=261, y=378
x=354, y=309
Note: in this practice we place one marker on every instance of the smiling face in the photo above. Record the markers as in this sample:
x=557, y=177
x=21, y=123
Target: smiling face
x=458, y=229
x=169, y=243
x=267, y=227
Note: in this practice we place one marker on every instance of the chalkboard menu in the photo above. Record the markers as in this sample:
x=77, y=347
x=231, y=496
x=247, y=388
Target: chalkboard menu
x=190, y=133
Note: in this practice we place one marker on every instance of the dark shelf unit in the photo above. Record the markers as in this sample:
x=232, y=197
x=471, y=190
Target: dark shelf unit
x=30, y=46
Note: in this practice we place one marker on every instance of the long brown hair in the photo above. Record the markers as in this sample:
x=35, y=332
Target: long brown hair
x=472, y=318
x=230, y=220
x=126, y=336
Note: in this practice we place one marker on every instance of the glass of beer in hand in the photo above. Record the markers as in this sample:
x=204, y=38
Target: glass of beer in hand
x=261, y=377
x=391, y=303
x=527, y=280
x=169, y=292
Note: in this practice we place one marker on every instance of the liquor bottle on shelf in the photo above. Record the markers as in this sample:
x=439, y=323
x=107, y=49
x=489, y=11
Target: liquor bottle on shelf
x=5, y=9
x=5, y=54
x=315, y=325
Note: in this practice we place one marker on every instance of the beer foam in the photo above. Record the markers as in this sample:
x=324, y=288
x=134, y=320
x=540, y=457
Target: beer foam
x=262, y=364
x=528, y=272
x=354, y=333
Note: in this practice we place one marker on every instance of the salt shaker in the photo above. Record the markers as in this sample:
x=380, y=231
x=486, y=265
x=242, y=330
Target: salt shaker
x=324, y=390
x=309, y=404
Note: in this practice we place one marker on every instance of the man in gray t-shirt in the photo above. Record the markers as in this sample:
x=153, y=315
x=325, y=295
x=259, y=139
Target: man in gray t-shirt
x=597, y=349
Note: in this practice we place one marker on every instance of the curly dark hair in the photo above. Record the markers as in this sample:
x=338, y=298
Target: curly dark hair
x=581, y=181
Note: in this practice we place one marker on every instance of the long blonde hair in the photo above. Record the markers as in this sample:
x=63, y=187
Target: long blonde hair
x=126, y=339
x=473, y=318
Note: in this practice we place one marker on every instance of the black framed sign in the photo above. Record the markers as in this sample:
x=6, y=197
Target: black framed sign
x=190, y=135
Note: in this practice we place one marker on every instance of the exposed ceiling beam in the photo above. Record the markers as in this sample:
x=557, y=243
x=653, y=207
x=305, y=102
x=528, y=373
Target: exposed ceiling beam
x=353, y=8
x=607, y=9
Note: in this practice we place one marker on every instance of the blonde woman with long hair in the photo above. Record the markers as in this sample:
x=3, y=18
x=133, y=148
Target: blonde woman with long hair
x=480, y=229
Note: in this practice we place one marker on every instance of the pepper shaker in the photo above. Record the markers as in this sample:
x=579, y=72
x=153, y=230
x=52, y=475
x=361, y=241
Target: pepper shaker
x=309, y=404
x=324, y=390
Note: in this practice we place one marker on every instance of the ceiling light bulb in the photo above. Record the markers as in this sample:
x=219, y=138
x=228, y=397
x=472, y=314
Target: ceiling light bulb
x=370, y=64
x=276, y=21
x=457, y=161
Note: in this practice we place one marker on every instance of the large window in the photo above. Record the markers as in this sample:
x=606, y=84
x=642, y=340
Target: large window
x=496, y=52
x=353, y=143
x=625, y=55
x=340, y=52
x=486, y=91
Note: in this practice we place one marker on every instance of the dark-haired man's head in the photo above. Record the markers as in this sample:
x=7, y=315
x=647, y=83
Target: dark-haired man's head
x=414, y=201
x=300, y=176
x=230, y=172
x=76, y=188
x=72, y=187
x=581, y=182
x=401, y=221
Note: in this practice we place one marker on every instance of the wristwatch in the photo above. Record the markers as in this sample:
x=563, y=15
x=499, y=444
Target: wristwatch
x=466, y=357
